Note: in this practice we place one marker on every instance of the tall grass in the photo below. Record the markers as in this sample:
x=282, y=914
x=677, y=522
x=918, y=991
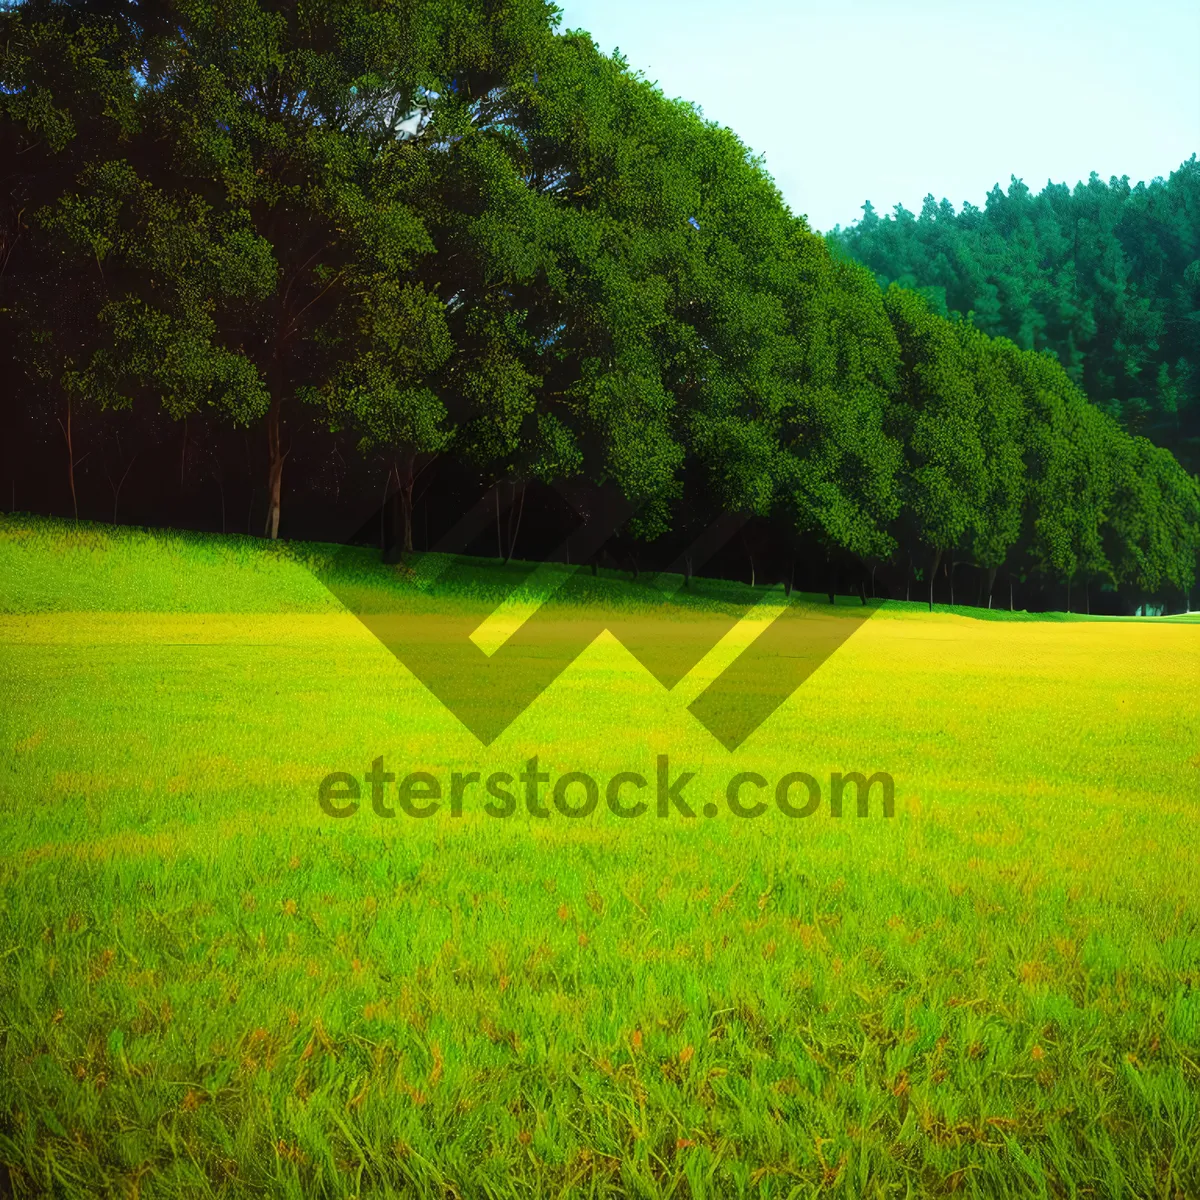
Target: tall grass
x=209, y=987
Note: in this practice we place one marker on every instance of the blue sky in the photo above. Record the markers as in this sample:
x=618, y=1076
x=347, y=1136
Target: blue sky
x=865, y=99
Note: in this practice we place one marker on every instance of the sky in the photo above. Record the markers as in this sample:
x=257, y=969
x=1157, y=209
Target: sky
x=866, y=99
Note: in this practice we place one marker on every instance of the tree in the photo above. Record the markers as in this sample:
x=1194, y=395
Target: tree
x=936, y=414
x=997, y=519
x=281, y=146
x=1101, y=275
x=446, y=233
x=1069, y=480
x=1152, y=531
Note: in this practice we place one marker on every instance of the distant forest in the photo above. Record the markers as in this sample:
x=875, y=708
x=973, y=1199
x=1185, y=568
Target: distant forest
x=260, y=261
x=1105, y=276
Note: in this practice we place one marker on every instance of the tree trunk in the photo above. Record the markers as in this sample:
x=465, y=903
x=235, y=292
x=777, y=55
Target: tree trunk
x=749, y=558
x=383, y=512
x=832, y=583
x=275, y=457
x=70, y=458
x=514, y=529
x=937, y=562
x=116, y=487
x=687, y=571
x=791, y=582
x=991, y=584
x=405, y=479
x=1010, y=593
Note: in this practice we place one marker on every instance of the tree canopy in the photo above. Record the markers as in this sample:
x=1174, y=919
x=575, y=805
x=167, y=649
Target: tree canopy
x=449, y=232
x=1106, y=276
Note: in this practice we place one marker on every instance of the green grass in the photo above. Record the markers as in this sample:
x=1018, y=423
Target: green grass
x=209, y=987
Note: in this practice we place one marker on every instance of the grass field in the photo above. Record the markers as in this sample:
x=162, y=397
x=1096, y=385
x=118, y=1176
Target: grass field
x=210, y=987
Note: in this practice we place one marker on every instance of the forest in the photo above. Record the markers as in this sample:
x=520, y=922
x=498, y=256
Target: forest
x=1105, y=276
x=257, y=258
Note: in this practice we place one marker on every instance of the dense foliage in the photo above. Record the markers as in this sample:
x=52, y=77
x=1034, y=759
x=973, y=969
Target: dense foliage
x=448, y=231
x=1106, y=276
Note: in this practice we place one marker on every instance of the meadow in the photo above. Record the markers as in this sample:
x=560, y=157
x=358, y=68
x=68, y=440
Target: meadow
x=210, y=987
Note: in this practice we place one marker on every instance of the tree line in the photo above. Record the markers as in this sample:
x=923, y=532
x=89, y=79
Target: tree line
x=451, y=232
x=1105, y=276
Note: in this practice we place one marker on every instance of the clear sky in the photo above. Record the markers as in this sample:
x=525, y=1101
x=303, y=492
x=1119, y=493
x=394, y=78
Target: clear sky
x=853, y=100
